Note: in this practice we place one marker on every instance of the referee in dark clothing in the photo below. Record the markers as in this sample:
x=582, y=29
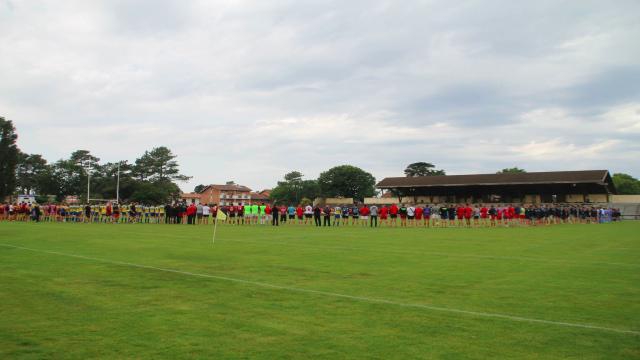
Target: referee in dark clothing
x=327, y=216
x=316, y=215
x=274, y=215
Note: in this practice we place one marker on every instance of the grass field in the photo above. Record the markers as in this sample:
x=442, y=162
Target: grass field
x=149, y=291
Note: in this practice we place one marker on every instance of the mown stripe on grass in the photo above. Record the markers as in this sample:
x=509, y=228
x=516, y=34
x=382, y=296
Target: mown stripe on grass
x=336, y=295
x=304, y=245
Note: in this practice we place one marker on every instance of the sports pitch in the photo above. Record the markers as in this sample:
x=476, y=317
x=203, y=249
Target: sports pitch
x=149, y=291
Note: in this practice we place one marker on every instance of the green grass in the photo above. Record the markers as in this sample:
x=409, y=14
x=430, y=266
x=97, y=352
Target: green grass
x=58, y=306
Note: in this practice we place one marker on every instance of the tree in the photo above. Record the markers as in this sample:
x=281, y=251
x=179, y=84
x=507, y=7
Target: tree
x=158, y=165
x=347, y=181
x=31, y=172
x=626, y=184
x=513, y=170
x=69, y=176
x=159, y=192
x=8, y=157
x=199, y=188
x=81, y=156
x=293, y=189
x=293, y=177
x=422, y=169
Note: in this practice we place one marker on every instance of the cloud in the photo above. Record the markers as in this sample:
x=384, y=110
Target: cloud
x=249, y=90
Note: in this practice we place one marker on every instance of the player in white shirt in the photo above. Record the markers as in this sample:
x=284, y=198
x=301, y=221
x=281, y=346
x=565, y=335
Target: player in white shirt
x=206, y=210
x=411, y=214
x=308, y=214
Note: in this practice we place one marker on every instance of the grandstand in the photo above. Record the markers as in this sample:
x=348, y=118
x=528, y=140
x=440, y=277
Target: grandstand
x=589, y=186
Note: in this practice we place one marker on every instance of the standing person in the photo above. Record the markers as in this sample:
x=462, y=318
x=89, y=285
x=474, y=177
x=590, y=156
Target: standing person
x=269, y=213
x=460, y=214
x=316, y=215
x=231, y=213
x=300, y=214
x=411, y=214
x=364, y=215
x=108, y=212
x=35, y=211
x=452, y=214
x=468, y=212
x=418, y=215
x=283, y=214
x=444, y=215
x=168, y=213
x=492, y=215
x=206, y=211
x=199, y=213
x=275, y=211
x=384, y=212
x=393, y=214
x=87, y=213
x=373, y=211
x=135, y=212
x=192, y=211
x=116, y=213
x=337, y=214
x=476, y=215
x=308, y=213
x=484, y=214
x=292, y=214
x=403, y=215
x=327, y=215
x=426, y=214
x=345, y=214
x=261, y=213
x=214, y=212
x=355, y=214
x=240, y=209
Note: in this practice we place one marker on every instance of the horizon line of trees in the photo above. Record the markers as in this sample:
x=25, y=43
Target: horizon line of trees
x=151, y=179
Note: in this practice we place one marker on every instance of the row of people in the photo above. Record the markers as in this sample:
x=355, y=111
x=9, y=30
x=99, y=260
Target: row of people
x=363, y=215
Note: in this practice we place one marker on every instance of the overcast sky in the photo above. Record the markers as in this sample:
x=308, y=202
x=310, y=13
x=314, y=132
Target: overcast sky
x=249, y=90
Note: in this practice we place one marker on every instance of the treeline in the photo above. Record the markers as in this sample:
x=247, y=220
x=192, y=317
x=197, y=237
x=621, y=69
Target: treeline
x=151, y=179
x=340, y=181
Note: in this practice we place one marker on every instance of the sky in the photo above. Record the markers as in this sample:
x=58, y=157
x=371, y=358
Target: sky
x=247, y=91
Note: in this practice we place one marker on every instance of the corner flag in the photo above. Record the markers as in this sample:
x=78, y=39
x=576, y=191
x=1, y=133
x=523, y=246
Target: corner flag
x=219, y=216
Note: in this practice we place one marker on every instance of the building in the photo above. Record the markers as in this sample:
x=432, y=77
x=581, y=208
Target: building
x=229, y=194
x=589, y=186
x=258, y=198
x=190, y=198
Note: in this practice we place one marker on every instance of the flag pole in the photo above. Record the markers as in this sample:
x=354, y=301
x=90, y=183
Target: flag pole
x=215, y=226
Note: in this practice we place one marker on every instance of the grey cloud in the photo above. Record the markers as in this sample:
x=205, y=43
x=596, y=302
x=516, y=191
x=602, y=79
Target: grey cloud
x=608, y=87
x=301, y=84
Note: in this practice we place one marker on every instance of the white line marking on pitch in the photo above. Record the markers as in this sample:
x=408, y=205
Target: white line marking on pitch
x=332, y=294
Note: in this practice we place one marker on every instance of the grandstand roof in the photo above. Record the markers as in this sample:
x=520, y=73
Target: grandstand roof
x=600, y=177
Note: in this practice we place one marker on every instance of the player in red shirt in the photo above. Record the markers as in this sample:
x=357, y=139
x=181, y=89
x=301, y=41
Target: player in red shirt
x=231, y=213
x=393, y=213
x=364, y=215
x=267, y=212
x=468, y=211
x=384, y=213
x=299, y=213
x=511, y=213
x=484, y=211
x=460, y=214
x=418, y=215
